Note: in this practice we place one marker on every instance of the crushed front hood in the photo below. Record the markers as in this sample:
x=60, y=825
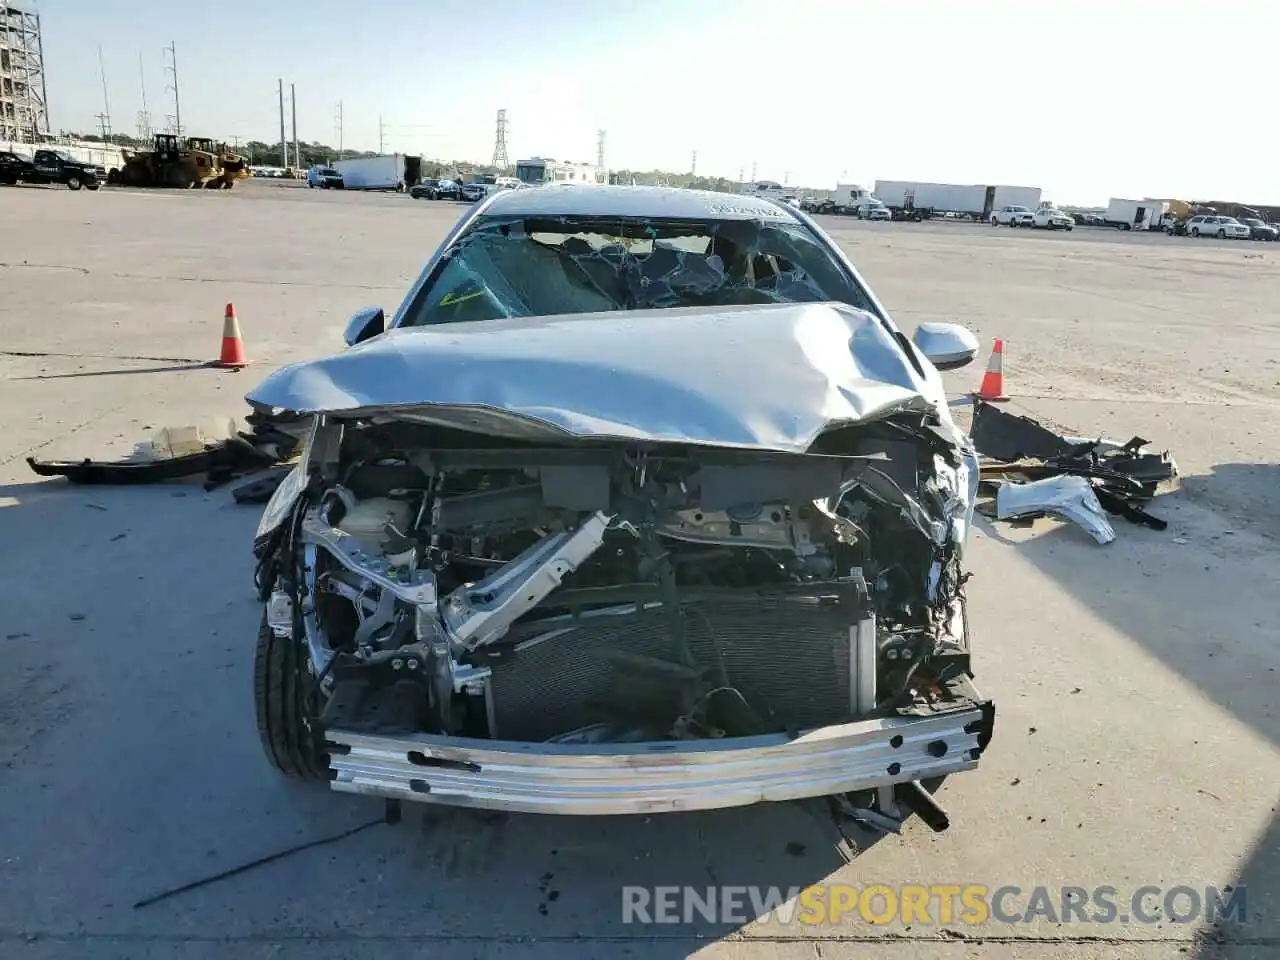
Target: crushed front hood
x=769, y=377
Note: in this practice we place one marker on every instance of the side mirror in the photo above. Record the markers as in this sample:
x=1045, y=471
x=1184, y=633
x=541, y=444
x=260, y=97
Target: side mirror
x=947, y=346
x=368, y=323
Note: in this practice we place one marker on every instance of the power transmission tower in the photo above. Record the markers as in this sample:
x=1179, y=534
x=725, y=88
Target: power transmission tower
x=601, y=168
x=144, y=115
x=500, y=143
x=104, y=118
x=693, y=167
x=177, y=103
x=382, y=132
x=753, y=170
x=338, y=128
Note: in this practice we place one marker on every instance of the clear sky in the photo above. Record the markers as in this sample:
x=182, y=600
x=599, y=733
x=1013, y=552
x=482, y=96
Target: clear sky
x=1085, y=98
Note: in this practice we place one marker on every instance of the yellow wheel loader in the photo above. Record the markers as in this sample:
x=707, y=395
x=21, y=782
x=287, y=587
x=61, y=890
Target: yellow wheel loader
x=183, y=164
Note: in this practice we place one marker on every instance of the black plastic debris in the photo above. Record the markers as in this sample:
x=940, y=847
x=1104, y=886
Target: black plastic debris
x=271, y=440
x=1123, y=476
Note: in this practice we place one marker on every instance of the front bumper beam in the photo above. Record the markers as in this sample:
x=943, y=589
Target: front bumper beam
x=658, y=776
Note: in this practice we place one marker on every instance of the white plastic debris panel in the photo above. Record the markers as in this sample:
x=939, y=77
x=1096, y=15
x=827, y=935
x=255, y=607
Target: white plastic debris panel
x=766, y=377
x=1068, y=497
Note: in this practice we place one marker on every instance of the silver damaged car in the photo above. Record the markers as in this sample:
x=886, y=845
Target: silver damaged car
x=639, y=502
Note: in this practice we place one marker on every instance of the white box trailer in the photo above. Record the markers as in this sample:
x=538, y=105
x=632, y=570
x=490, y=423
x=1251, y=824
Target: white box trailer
x=395, y=171
x=1005, y=196
x=1135, y=214
x=936, y=197
x=975, y=200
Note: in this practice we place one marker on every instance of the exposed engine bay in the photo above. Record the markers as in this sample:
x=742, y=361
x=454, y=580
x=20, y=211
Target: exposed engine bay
x=456, y=584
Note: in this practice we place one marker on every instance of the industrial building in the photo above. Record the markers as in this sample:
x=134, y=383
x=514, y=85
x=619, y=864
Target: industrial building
x=24, y=114
x=540, y=170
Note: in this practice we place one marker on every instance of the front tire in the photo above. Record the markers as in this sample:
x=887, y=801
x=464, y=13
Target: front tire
x=74, y=183
x=281, y=685
x=1222, y=234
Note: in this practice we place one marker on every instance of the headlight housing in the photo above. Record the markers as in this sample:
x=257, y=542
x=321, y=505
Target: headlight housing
x=286, y=495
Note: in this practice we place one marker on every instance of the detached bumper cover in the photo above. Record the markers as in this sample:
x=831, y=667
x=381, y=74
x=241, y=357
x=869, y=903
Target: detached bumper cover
x=658, y=777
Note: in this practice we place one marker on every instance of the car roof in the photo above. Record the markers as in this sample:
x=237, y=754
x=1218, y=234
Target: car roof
x=590, y=200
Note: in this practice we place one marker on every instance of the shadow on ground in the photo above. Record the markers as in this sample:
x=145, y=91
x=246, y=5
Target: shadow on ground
x=1204, y=605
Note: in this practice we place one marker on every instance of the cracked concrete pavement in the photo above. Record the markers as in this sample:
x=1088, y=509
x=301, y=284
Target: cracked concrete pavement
x=1137, y=738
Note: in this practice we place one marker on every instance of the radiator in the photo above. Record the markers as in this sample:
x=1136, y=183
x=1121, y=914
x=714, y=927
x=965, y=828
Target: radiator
x=789, y=657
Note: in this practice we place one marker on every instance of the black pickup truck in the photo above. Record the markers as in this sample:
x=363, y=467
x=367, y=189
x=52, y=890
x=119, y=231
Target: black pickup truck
x=51, y=166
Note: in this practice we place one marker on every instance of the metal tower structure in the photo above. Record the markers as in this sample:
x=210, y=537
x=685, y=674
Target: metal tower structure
x=104, y=118
x=601, y=169
x=500, y=143
x=144, y=115
x=172, y=67
x=24, y=110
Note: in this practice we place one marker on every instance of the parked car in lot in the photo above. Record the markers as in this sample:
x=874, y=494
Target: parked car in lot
x=1208, y=225
x=1011, y=215
x=874, y=211
x=324, y=178
x=1050, y=218
x=434, y=188
x=551, y=547
x=1258, y=230
x=51, y=166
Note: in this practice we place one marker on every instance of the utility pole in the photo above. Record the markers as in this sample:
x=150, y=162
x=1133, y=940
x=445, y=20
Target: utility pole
x=284, y=144
x=104, y=118
x=338, y=128
x=293, y=106
x=693, y=167
x=753, y=170
x=177, y=103
x=381, y=129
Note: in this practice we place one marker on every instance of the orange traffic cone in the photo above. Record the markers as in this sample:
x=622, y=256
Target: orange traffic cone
x=993, y=380
x=232, y=343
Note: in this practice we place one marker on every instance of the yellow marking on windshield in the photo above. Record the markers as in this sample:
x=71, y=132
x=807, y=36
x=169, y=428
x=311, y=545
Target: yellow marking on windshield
x=449, y=298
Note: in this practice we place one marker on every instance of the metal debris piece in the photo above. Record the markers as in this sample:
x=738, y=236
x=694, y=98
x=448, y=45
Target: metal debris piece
x=1123, y=476
x=1071, y=498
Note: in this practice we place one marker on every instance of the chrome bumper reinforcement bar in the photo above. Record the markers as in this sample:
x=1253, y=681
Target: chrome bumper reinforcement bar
x=656, y=776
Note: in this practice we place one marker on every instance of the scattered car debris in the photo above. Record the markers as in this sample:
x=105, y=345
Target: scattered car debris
x=1069, y=497
x=180, y=453
x=1080, y=478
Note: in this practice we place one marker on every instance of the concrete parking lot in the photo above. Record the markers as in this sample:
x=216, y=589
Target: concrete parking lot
x=1138, y=727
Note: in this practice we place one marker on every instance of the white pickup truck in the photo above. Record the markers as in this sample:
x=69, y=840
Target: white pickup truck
x=1051, y=218
x=1011, y=215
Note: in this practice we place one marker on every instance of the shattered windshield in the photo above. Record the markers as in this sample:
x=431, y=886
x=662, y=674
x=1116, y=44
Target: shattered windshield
x=529, y=267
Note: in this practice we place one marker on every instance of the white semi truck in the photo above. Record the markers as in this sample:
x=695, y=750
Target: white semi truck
x=395, y=171
x=917, y=200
